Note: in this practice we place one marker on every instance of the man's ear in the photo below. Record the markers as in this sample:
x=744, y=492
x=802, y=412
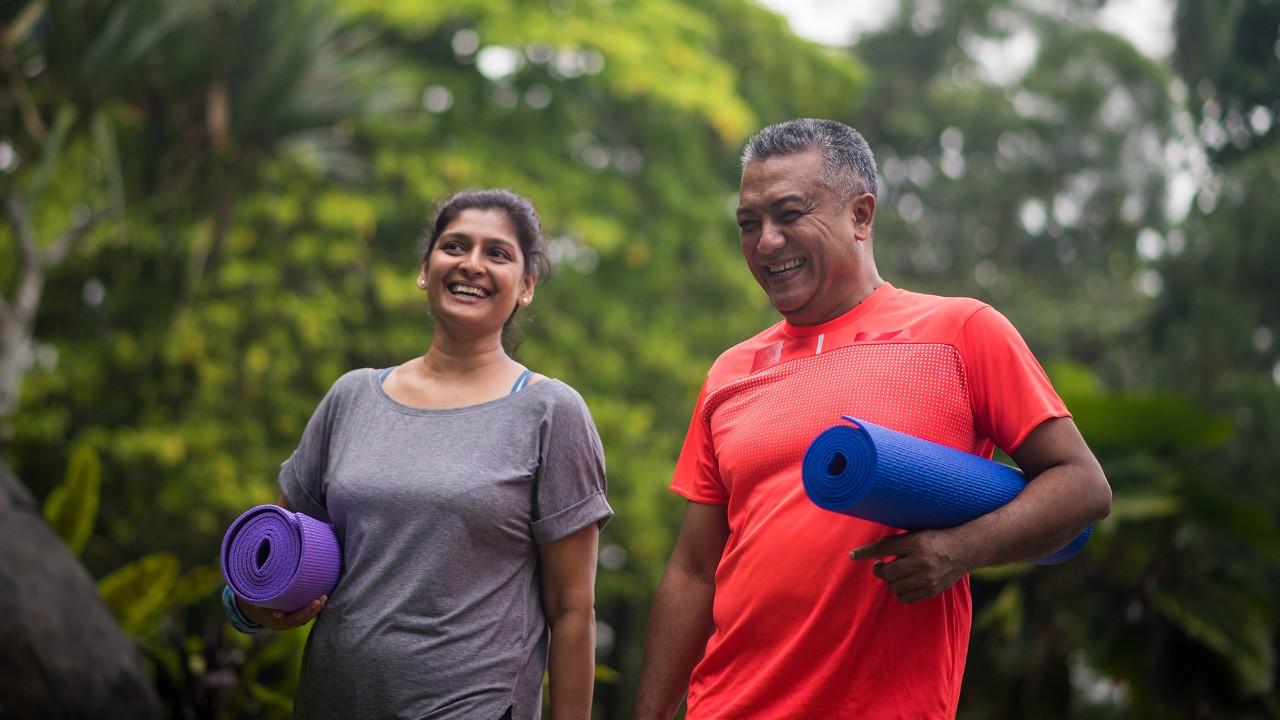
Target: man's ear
x=862, y=210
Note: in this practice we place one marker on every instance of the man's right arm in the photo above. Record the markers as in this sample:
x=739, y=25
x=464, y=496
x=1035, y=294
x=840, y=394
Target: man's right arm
x=680, y=621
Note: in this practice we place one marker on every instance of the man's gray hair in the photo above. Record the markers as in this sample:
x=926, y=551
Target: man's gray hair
x=848, y=167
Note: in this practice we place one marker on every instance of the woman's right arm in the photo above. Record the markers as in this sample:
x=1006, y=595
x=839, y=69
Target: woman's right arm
x=278, y=619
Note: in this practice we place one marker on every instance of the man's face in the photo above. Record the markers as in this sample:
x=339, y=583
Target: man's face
x=801, y=244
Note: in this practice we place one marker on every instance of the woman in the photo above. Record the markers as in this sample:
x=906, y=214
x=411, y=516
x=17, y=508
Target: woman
x=467, y=493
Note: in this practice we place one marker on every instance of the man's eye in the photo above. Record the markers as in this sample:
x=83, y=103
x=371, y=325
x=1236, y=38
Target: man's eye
x=748, y=225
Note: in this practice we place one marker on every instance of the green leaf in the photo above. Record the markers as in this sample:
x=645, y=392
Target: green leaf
x=72, y=507
x=1120, y=424
x=1137, y=507
x=104, y=134
x=277, y=701
x=1154, y=422
x=138, y=592
x=52, y=151
x=1005, y=612
x=196, y=585
x=606, y=674
x=1232, y=626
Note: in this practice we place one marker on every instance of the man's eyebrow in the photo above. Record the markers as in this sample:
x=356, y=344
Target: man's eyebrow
x=793, y=198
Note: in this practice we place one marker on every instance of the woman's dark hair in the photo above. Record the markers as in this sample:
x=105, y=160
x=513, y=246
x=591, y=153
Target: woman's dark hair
x=525, y=223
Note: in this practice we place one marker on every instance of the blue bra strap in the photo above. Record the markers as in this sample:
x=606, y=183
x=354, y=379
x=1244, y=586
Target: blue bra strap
x=521, y=381
x=382, y=376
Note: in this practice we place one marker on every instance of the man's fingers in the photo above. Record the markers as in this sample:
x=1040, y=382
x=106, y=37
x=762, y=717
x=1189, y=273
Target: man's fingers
x=878, y=549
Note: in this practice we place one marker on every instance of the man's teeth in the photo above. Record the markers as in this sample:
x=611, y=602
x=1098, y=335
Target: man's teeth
x=786, y=265
x=467, y=290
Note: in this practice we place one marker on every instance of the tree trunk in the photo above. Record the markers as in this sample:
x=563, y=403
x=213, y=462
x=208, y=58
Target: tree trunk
x=62, y=655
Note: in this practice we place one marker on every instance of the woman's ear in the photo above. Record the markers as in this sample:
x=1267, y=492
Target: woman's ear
x=527, y=286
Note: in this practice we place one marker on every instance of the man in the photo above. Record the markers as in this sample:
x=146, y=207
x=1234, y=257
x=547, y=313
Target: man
x=773, y=608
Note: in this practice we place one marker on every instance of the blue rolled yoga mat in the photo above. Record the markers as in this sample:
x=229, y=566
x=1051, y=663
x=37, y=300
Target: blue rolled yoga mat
x=280, y=559
x=884, y=476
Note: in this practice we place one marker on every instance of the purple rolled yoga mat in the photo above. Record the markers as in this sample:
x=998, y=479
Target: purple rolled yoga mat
x=280, y=559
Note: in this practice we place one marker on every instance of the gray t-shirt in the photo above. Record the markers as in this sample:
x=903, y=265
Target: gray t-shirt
x=438, y=612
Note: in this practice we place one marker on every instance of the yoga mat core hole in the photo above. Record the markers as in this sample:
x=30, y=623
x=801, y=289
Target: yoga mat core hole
x=264, y=551
x=837, y=465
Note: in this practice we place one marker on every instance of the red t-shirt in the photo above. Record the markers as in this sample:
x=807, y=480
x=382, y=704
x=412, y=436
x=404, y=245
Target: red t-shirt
x=800, y=630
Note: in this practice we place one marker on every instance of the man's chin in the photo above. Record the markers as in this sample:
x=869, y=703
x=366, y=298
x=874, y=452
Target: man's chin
x=786, y=305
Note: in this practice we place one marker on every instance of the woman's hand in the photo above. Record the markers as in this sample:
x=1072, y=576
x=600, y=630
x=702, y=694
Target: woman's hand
x=279, y=619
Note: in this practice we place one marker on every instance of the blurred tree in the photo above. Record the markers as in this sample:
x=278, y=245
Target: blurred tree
x=277, y=182
x=620, y=121
x=1039, y=163
x=1213, y=334
x=89, y=83
x=1022, y=150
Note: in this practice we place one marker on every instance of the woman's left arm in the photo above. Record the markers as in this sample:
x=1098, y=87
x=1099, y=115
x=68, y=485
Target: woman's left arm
x=568, y=598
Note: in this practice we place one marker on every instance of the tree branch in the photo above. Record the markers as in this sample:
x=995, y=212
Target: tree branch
x=62, y=246
x=9, y=60
x=26, y=295
x=26, y=234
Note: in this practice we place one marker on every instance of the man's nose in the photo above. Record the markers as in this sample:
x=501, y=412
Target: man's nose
x=771, y=238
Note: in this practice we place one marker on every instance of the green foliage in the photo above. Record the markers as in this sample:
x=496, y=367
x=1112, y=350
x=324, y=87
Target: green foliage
x=278, y=158
x=1118, y=425
x=72, y=507
x=1229, y=624
x=138, y=592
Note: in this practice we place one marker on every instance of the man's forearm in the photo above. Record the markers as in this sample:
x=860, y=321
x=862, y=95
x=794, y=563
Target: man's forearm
x=1040, y=521
x=679, y=625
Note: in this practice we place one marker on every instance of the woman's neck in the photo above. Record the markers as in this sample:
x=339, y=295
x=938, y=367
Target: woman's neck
x=449, y=356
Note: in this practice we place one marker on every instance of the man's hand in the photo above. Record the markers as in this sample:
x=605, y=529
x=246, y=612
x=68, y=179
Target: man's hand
x=921, y=564
x=279, y=619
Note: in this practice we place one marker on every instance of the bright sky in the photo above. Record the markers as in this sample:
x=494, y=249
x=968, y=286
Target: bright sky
x=1147, y=23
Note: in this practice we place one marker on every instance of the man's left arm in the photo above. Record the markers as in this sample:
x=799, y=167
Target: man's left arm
x=1066, y=492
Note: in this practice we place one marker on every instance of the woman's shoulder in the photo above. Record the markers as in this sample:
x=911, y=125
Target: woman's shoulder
x=359, y=378
x=352, y=384
x=557, y=393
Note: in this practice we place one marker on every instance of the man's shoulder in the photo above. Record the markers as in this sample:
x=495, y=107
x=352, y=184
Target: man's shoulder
x=739, y=358
x=901, y=314
x=925, y=303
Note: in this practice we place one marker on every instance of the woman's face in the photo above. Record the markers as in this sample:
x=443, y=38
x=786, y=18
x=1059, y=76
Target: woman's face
x=474, y=274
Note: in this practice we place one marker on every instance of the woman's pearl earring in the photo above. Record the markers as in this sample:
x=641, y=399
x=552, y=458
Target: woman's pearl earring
x=422, y=283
